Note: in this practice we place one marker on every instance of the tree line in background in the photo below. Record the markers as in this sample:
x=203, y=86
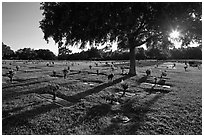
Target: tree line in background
x=100, y=54
x=141, y=54
x=27, y=54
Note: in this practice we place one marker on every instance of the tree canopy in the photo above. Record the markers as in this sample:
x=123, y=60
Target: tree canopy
x=100, y=22
x=26, y=53
x=30, y=54
x=131, y=23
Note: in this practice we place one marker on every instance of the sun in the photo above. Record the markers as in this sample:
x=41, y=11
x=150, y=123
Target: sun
x=175, y=38
x=175, y=34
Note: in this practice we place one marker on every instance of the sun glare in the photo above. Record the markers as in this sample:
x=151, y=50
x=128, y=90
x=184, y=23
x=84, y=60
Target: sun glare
x=174, y=34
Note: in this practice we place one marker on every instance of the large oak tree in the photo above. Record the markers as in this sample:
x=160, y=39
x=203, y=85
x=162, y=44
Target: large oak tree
x=132, y=24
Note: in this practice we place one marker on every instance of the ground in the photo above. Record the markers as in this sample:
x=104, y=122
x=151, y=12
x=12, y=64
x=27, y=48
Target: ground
x=83, y=100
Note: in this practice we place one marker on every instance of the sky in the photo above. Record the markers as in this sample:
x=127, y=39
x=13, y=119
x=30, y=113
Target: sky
x=20, y=26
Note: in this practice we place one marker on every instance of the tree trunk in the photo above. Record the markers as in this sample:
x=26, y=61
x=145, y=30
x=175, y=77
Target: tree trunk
x=132, y=70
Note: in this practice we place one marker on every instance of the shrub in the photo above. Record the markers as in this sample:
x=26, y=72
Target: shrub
x=148, y=72
x=65, y=71
x=97, y=71
x=54, y=73
x=96, y=64
x=53, y=89
x=17, y=68
x=90, y=66
x=11, y=74
x=124, y=86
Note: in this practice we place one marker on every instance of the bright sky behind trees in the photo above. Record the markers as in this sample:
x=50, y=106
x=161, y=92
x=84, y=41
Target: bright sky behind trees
x=20, y=26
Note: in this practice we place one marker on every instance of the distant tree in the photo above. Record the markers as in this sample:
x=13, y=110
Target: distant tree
x=186, y=53
x=133, y=24
x=93, y=53
x=154, y=53
x=7, y=52
x=26, y=54
x=140, y=54
x=45, y=54
x=84, y=55
x=177, y=54
x=193, y=53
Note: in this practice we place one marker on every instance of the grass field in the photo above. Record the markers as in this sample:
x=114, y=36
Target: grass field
x=82, y=107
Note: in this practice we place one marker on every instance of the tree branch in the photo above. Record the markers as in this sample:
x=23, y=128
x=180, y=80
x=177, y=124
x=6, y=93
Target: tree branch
x=141, y=25
x=143, y=42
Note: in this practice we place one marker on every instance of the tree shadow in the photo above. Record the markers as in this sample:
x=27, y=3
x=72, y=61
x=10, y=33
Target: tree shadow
x=90, y=72
x=135, y=114
x=56, y=76
x=23, y=84
x=10, y=94
x=23, y=118
x=100, y=73
x=75, y=98
x=74, y=73
x=6, y=113
x=94, y=81
x=142, y=79
x=69, y=74
x=153, y=90
x=97, y=111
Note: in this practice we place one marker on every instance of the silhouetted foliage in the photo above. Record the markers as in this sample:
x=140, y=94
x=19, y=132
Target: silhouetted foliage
x=186, y=53
x=98, y=54
x=7, y=52
x=133, y=24
x=26, y=54
x=140, y=54
x=193, y=53
x=45, y=54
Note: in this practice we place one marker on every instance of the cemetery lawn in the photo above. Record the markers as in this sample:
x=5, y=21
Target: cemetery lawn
x=82, y=106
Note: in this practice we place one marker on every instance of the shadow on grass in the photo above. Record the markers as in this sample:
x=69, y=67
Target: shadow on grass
x=27, y=82
x=57, y=76
x=153, y=90
x=74, y=73
x=89, y=72
x=94, y=81
x=136, y=114
x=7, y=113
x=132, y=108
x=100, y=73
x=150, y=79
x=142, y=79
x=75, y=98
x=23, y=118
x=97, y=111
x=10, y=94
x=23, y=84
